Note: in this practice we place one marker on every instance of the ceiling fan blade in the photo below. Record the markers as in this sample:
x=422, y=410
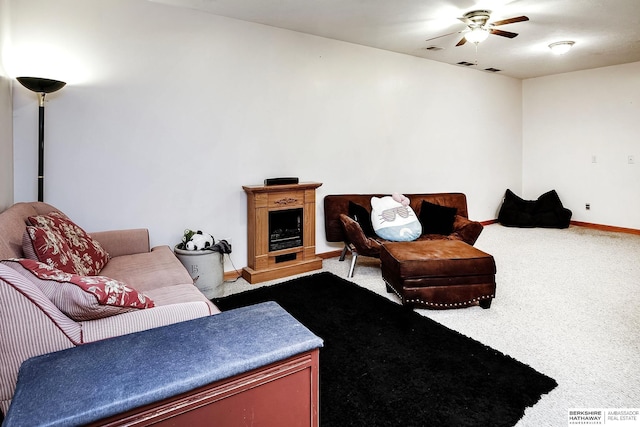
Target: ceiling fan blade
x=503, y=33
x=467, y=21
x=461, y=42
x=444, y=35
x=509, y=21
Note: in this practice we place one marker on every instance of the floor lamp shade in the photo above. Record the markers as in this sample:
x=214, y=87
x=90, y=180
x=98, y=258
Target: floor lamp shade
x=41, y=87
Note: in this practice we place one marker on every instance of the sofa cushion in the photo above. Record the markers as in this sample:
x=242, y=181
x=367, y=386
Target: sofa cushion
x=436, y=219
x=148, y=270
x=86, y=254
x=178, y=294
x=362, y=216
x=81, y=297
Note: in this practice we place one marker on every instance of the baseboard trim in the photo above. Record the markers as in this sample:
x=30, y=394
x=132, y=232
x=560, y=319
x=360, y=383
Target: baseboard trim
x=330, y=254
x=594, y=226
x=231, y=275
x=603, y=227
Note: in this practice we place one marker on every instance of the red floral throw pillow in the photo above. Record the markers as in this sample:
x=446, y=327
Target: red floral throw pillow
x=49, y=247
x=66, y=246
x=81, y=297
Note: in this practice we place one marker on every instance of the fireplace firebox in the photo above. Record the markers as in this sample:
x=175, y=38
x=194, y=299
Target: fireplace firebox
x=280, y=231
x=285, y=229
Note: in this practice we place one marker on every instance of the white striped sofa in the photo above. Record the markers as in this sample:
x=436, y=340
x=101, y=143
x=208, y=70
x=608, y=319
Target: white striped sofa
x=31, y=325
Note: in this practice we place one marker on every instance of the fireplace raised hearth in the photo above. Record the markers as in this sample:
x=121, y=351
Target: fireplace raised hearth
x=281, y=231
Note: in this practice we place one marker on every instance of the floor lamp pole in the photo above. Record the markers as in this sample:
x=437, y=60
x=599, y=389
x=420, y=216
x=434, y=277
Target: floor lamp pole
x=41, y=147
x=41, y=87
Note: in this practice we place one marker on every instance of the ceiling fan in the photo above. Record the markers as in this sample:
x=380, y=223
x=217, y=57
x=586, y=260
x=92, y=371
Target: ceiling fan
x=478, y=27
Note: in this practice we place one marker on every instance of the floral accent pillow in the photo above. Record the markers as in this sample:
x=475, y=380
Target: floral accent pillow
x=66, y=246
x=81, y=297
x=45, y=245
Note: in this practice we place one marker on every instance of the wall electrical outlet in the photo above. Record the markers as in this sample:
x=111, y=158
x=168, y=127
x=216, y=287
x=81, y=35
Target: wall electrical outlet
x=587, y=206
x=594, y=159
x=631, y=159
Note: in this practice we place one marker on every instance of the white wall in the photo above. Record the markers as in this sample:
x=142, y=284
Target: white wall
x=6, y=117
x=177, y=109
x=569, y=119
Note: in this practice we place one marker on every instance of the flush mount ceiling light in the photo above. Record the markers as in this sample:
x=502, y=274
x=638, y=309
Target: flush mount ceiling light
x=560, y=48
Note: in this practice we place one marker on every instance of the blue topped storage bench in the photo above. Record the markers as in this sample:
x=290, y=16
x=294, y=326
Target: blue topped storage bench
x=253, y=363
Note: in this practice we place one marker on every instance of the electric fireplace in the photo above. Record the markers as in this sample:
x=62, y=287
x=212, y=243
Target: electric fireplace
x=280, y=231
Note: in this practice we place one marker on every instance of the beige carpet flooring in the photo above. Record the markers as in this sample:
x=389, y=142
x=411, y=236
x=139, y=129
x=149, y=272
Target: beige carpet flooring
x=567, y=304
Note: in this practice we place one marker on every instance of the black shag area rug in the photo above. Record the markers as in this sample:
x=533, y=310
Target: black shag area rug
x=385, y=365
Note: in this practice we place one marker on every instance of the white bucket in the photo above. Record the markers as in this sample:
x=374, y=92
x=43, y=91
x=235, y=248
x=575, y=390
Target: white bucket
x=206, y=268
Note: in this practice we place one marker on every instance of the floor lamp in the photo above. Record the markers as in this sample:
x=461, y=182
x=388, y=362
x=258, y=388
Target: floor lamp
x=41, y=87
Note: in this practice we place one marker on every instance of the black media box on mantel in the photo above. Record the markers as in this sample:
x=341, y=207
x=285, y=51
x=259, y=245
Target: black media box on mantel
x=281, y=181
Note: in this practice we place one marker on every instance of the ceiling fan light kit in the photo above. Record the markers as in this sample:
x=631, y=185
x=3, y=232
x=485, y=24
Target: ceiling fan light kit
x=560, y=48
x=477, y=35
x=479, y=27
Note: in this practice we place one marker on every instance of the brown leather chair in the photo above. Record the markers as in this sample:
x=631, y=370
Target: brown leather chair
x=357, y=242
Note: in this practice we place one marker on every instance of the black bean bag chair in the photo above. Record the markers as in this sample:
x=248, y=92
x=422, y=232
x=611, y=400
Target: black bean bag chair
x=547, y=211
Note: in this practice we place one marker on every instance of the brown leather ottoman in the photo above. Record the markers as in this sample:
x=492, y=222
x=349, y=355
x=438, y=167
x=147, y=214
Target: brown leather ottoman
x=438, y=274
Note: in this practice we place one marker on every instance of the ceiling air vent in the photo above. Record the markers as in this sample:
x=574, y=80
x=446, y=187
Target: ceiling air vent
x=465, y=63
x=492, y=70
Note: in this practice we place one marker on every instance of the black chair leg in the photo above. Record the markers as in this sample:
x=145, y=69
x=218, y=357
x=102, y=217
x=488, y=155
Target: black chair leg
x=486, y=303
x=344, y=252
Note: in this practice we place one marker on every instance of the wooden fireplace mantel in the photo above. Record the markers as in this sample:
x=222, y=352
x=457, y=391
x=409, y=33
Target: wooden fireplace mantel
x=264, y=264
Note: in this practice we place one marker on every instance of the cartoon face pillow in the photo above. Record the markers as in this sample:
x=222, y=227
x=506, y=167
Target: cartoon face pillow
x=393, y=220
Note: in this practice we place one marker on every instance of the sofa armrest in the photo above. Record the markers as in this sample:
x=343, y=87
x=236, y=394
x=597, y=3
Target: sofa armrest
x=123, y=242
x=466, y=230
x=364, y=245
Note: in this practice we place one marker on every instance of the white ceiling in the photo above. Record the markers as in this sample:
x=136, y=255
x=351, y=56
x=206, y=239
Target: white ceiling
x=606, y=32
